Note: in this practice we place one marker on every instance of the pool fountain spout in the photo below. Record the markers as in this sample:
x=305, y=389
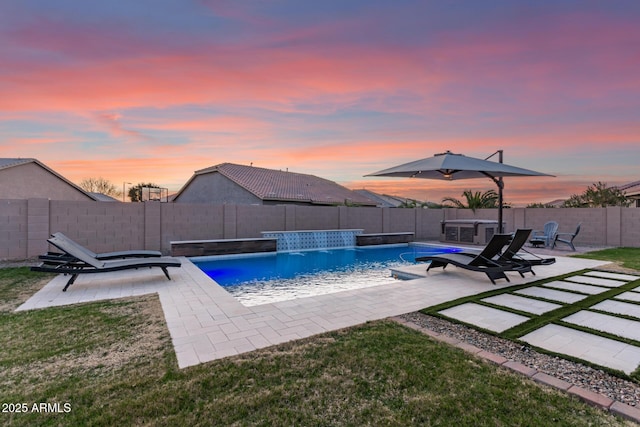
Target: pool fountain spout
x=301, y=240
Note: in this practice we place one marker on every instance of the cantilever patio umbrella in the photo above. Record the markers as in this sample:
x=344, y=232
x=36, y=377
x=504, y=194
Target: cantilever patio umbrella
x=450, y=166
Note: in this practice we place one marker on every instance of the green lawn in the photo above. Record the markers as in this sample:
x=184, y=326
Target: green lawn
x=113, y=364
x=627, y=257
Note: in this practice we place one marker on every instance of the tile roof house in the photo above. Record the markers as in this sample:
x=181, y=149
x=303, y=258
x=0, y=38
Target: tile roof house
x=386, y=200
x=238, y=184
x=30, y=179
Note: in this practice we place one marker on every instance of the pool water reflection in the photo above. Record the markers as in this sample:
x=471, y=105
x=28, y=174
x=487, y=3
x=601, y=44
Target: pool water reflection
x=277, y=277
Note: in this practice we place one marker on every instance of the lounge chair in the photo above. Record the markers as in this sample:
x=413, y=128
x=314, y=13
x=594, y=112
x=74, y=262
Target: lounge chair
x=566, y=238
x=546, y=236
x=482, y=261
x=101, y=256
x=515, y=252
x=79, y=262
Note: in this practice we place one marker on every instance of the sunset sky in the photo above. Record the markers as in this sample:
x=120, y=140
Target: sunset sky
x=152, y=90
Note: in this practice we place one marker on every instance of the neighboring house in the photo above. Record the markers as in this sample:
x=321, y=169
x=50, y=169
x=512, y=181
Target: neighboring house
x=238, y=184
x=387, y=201
x=30, y=179
x=101, y=197
x=632, y=191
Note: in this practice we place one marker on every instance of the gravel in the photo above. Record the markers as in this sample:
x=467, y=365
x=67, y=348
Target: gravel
x=575, y=373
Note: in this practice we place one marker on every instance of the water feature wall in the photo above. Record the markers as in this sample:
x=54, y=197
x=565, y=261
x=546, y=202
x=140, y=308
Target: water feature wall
x=289, y=241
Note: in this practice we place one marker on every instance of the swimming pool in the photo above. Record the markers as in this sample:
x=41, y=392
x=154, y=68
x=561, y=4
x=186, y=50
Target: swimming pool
x=262, y=279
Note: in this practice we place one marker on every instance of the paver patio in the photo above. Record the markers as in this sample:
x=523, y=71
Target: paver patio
x=207, y=323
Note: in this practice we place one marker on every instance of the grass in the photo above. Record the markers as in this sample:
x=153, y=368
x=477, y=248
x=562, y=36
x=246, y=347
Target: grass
x=113, y=362
x=626, y=257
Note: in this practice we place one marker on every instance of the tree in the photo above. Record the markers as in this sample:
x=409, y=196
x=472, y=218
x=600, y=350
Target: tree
x=135, y=192
x=598, y=195
x=100, y=185
x=477, y=200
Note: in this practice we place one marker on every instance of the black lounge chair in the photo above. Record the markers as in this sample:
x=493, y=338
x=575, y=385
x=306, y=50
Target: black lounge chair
x=53, y=256
x=78, y=262
x=483, y=261
x=515, y=252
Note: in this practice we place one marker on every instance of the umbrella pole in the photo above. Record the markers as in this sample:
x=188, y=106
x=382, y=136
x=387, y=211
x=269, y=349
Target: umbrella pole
x=500, y=187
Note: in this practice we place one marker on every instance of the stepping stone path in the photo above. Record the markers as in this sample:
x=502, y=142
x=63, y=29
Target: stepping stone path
x=537, y=300
x=484, y=317
x=592, y=348
x=598, y=281
x=577, y=287
x=528, y=305
x=553, y=295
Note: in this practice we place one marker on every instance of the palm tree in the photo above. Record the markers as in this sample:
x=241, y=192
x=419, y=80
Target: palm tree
x=477, y=200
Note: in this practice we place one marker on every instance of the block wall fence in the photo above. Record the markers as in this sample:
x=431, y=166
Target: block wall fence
x=26, y=224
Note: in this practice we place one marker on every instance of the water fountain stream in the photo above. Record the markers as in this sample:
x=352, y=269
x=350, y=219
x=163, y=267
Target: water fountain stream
x=292, y=241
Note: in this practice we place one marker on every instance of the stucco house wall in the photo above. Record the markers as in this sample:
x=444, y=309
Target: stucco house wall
x=31, y=181
x=214, y=188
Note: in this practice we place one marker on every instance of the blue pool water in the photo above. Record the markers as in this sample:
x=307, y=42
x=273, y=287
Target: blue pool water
x=277, y=277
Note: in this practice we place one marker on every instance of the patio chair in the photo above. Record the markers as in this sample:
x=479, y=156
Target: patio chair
x=101, y=256
x=546, y=236
x=79, y=262
x=566, y=238
x=515, y=252
x=482, y=261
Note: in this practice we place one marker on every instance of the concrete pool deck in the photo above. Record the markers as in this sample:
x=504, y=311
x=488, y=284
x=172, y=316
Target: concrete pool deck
x=206, y=323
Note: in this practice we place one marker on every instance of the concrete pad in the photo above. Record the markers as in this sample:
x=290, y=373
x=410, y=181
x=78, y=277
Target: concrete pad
x=616, y=276
x=629, y=296
x=484, y=317
x=601, y=351
x=619, y=307
x=528, y=305
x=577, y=287
x=551, y=294
x=598, y=281
x=601, y=322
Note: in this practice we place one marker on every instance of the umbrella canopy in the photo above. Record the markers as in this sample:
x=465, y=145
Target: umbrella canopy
x=450, y=166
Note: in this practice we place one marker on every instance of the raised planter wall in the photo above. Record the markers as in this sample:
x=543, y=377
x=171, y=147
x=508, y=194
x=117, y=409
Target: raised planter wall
x=222, y=247
x=384, y=239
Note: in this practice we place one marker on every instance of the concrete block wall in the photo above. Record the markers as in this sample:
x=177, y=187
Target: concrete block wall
x=594, y=223
x=13, y=229
x=26, y=224
x=103, y=227
x=316, y=218
x=630, y=227
x=428, y=223
x=251, y=220
x=181, y=221
x=369, y=219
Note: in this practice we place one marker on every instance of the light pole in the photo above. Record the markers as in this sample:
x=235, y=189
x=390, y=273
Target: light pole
x=123, y=184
